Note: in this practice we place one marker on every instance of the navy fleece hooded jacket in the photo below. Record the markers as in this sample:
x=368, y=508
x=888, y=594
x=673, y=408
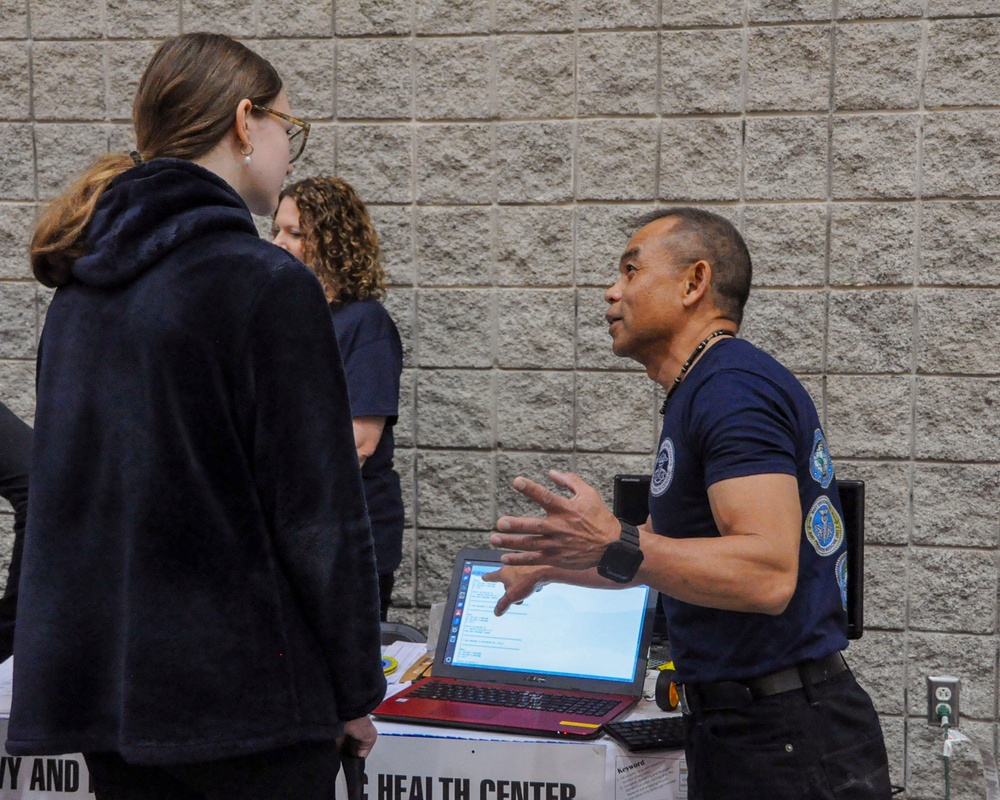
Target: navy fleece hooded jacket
x=198, y=577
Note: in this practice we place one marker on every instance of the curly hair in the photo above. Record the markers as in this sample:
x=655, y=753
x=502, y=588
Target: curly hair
x=339, y=242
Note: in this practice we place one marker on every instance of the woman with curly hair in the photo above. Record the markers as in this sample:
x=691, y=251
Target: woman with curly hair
x=322, y=222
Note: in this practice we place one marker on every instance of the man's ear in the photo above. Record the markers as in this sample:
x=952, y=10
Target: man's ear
x=697, y=281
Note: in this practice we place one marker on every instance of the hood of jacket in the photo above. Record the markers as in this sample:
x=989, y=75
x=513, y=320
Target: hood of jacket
x=150, y=210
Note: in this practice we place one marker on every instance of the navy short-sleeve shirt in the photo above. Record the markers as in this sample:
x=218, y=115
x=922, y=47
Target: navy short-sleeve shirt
x=738, y=413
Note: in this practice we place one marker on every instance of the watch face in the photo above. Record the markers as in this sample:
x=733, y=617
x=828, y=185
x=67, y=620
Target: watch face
x=620, y=562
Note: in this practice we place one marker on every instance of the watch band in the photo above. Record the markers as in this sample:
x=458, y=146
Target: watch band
x=622, y=558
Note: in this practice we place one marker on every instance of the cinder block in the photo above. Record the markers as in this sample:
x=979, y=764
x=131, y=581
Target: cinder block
x=535, y=411
x=534, y=246
x=879, y=9
x=925, y=773
x=452, y=78
x=374, y=78
x=15, y=81
x=788, y=324
x=599, y=469
x=377, y=160
x=535, y=76
x=971, y=658
x=456, y=327
x=533, y=466
x=697, y=13
x=515, y=16
x=940, y=602
x=700, y=71
x=955, y=235
x=68, y=80
x=127, y=61
x=18, y=315
x=63, y=151
x=305, y=18
x=872, y=244
x=878, y=65
x=405, y=576
x=13, y=19
x=965, y=8
x=127, y=19
x=950, y=319
x=451, y=411
x=788, y=68
x=887, y=496
x=593, y=342
x=453, y=246
x=957, y=418
x=401, y=305
x=307, y=68
x=17, y=387
x=868, y=416
x=395, y=235
x=452, y=16
x=66, y=19
x=231, y=17
x=786, y=158
x=454, y=164
x=870, y=331
x=320, y=155
x=17, y=224
x=534, y=162
x=364, y=18
x=963, y=61
x=617, y=13
x=455, y=489
x=535, y=329
x=783, y=11
x=955, y=505
x=883, y=608
x=602, y=232
x=878, y=661
x=700, y=159
x=962, y=154
x=616, y=160
x=436, y=550
x=614, y=413
x=787, y=243
x=875, y=156
x=616, y=73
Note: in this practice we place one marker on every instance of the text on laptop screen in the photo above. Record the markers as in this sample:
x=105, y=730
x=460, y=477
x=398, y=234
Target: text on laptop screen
x=559, y=630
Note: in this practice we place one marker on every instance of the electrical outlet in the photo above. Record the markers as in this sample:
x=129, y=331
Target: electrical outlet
x=942, y=699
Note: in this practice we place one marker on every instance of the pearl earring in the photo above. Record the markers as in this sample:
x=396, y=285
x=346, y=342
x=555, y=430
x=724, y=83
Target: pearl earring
x=246, y=155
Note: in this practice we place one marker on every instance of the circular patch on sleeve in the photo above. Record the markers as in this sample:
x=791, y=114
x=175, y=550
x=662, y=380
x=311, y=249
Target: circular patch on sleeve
x=663, y=472
x=824, y=527
x=841, y=571
x=820, y=463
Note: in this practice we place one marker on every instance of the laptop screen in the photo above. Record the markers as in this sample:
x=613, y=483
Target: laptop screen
x=560, y=631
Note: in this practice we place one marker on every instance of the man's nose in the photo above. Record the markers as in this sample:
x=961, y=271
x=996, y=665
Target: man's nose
x=613, y=293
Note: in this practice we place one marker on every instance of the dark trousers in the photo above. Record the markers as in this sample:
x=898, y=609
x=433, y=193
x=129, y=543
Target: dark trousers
x=386, y=581
x=305, y=771
x=823, y=742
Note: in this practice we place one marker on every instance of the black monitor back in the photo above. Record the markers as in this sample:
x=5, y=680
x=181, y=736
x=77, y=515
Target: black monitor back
x=631, y=503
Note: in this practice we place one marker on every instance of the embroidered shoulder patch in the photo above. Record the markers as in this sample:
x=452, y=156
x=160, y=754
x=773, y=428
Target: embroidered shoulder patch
x=824, y=527
x=820, y=463
x=663, y=472
x=841, y=572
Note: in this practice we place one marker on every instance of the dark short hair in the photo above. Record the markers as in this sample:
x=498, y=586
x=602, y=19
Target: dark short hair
x=715, y=239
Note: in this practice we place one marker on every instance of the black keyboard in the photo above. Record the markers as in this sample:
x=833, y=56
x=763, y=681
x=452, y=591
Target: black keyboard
x=514, y=698
x=660, y=733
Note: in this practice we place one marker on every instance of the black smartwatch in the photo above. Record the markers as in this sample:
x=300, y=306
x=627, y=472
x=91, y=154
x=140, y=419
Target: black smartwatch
x=621, y=559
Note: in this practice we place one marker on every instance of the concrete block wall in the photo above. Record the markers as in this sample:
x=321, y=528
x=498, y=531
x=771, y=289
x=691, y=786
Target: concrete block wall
x=506, y=147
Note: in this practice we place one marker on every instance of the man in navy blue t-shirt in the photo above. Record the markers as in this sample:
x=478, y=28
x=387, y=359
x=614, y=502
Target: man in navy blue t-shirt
x=745, y=539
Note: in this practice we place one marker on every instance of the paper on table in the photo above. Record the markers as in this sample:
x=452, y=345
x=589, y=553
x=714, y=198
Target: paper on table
x=406, y=655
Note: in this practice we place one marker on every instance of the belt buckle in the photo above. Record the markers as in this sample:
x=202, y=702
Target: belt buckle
x=682, y=695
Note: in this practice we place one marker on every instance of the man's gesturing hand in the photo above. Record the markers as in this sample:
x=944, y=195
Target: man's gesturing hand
x=573, y=534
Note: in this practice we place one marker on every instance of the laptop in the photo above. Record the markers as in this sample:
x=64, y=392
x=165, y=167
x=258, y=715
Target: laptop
x=561, y=663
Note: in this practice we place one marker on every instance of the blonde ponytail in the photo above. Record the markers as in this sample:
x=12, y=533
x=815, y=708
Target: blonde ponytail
x=59, y=235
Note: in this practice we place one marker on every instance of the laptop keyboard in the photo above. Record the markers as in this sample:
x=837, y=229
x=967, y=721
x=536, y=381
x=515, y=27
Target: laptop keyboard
x=514, y=698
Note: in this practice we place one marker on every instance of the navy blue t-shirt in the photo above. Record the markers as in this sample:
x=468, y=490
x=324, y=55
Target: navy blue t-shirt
x=738, y=413
x=373, y=362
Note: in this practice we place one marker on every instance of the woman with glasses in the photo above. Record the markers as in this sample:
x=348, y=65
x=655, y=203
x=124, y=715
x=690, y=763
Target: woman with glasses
x=323, y=223
x=198, y=606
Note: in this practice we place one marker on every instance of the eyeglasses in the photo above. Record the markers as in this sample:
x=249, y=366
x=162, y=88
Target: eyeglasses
x=297, y=136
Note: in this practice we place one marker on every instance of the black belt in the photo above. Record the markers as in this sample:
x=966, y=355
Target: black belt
x=735, y=694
